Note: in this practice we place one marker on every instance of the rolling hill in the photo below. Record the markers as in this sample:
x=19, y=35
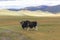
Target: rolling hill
x=5, y=12
x=27, y=13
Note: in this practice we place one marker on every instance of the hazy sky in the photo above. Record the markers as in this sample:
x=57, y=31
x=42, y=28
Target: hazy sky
x=7, y=0
x=25, y=3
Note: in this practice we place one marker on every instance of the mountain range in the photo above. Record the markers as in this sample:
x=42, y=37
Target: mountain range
x=51, y=9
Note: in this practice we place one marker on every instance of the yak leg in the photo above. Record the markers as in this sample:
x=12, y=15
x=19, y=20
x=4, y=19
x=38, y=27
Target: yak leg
x=36, y=28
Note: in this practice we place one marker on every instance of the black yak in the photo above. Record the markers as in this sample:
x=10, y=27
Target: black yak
x=29, y=24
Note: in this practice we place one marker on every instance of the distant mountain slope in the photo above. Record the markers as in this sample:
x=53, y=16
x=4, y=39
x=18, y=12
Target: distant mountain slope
x=36, y=8
x=14, y=9
x=52, y=9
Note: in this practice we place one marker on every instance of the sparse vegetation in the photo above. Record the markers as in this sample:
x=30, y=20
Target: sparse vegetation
x=48, y=28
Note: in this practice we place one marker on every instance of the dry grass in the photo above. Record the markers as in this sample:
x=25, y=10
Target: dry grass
x=48, y=27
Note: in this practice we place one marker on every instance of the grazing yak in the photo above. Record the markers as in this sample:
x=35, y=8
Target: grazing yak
x=29, y=24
